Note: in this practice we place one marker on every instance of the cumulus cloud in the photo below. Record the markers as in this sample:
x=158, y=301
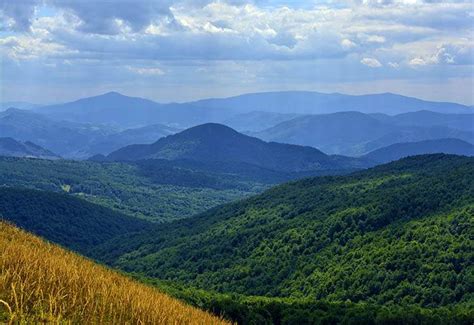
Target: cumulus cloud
x=303, y=40
x=371, y=62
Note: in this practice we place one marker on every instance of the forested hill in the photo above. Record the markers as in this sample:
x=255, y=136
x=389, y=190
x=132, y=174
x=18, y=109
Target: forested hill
x=64, y=219
x=398, y=233
x=213, y=142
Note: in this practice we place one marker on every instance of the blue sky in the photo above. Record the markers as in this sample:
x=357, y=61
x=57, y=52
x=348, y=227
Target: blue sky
x=179, y=50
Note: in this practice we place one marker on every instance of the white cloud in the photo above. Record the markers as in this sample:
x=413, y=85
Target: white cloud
x=371, y=62
x=147, y=71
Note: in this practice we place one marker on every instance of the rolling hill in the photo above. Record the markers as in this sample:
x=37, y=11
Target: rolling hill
x=11, y=148
x=355, y=133
x=43, y=283
x=218, y=143
x=401, y=150
x=395, y=234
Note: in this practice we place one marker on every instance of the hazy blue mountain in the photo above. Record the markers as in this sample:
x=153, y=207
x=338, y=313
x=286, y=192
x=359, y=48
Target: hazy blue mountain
x=128, y=112
x=336, y=133
x=401, y=150
x=67, y=139
x=304, y=102
x=257, y=121
x=414, y=134
x=143, y=135
x=72, y=139
x=19, y=105
x=215, y=142
x=12, y=148
x=426, y=119
x=355, y=133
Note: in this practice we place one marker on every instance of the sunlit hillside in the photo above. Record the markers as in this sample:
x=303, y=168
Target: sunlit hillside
x=40, y=282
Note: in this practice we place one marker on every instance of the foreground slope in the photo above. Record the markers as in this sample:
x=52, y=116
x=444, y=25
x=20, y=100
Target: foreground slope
x=398, y=233
x=401, y=150
x=213, y=142
x=42, y=283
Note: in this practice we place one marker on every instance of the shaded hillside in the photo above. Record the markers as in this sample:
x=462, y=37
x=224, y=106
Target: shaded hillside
x=391, y=234
x=215, y=142
x=401, y=150
x=11, y=148
x=42, y=283
x=63, y=219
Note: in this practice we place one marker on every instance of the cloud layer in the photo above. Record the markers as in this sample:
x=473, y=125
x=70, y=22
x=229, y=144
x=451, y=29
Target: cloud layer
x=224, y=45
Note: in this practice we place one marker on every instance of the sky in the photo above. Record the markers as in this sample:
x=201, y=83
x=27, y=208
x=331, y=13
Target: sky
x=180, y=50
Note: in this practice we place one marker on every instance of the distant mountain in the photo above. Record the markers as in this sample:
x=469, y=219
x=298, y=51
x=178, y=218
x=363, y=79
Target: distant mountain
x=215, y=142
x=9, y=147
x=428, y=119
x=355, y=133
x=128, y=112
x=257, y=121
x=67, y=139
x=337, y=133
x=305, y=102
x=19, y=105
x=72, y=139
x=143, y=135
x=401, y=150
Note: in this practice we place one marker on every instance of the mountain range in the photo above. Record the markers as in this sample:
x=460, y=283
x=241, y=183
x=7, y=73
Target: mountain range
x=126, y=112
x=355, y=133
x=105, y=123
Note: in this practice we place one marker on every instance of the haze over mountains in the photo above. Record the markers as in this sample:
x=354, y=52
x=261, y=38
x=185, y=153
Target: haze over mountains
x=105, y=123
x=125, y=112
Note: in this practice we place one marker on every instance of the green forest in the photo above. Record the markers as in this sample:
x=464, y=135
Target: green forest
x=160, y=194
x=388, y=245
x=395, y=235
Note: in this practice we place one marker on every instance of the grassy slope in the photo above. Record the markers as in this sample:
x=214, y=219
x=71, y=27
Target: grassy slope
x=398, y=233
x=41, y=282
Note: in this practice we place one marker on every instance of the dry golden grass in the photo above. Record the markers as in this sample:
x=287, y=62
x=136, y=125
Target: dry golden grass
x=43, y=283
